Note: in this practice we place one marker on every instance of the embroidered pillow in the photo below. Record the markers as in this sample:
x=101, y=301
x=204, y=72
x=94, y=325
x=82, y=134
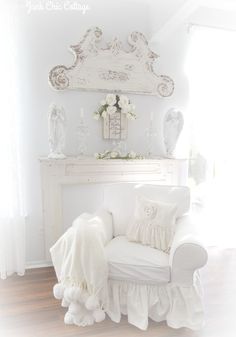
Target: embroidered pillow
x=153, y=223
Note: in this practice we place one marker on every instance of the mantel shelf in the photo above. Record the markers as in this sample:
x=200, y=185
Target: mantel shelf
x=81, y=160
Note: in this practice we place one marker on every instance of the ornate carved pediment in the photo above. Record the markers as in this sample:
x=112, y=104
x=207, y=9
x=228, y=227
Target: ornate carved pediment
x=112, y=68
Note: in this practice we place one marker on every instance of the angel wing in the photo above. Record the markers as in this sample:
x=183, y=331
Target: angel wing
x=173, y=125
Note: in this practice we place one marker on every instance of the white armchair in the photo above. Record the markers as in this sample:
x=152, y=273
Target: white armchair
x=146, y=282
x=142, y=282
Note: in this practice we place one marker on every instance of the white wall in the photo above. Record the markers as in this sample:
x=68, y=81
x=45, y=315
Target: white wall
x=43, y=40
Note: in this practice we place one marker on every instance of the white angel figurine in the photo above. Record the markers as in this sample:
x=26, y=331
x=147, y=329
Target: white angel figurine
x=56, y=131
x=173, y=125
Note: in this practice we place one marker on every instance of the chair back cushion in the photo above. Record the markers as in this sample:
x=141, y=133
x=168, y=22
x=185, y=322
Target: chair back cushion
x=120, y=198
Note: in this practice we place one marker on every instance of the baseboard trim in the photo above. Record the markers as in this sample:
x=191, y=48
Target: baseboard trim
x=38, y=264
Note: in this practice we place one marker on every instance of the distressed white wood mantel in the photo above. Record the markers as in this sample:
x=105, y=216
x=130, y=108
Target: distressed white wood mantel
x=58, y=172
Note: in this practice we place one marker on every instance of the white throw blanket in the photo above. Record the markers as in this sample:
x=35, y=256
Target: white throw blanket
x=82, y=271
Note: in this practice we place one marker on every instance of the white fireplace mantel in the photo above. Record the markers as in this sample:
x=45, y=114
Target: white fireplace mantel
x=58, y=172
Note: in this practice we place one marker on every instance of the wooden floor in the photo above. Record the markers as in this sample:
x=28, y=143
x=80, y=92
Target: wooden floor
x=28, y=309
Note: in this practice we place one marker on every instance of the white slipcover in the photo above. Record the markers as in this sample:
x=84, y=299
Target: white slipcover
x=130, y=261
x=142, y=281
x=137, y=291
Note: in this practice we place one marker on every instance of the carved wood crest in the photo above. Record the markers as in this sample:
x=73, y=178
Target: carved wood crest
x=112, y=68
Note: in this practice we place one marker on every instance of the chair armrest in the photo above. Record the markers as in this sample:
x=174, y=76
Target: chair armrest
x=107, y=223
x=187, y=252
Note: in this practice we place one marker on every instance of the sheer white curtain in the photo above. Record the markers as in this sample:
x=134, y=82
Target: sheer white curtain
x=12, y=220
x=211, y=70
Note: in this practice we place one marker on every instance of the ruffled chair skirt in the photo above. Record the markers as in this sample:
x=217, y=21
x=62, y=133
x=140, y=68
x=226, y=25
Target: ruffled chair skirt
x=180, y=306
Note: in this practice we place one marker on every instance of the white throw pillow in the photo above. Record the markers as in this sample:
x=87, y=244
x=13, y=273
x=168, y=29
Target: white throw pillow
x=153, y=223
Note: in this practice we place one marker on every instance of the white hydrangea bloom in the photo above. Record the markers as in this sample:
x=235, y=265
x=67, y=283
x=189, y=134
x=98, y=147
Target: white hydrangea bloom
x=125, y=109
x=124, y=101
x=111, y=110
x=111, y=99
x=114, y=154
x=132, y=154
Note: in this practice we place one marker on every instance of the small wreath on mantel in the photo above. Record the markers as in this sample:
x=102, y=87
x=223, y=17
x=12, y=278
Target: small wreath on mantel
x=117, y=155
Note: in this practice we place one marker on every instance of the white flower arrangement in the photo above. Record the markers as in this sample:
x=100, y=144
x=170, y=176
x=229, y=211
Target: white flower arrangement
x=115, y=103
x=117, y=155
